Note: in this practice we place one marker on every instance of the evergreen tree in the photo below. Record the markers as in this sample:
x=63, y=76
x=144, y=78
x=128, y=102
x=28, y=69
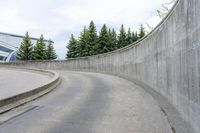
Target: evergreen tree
x=39, y=51
x=78, y=48
x=103, y=41
x=90, y=44
x=72, y=48
x=122, y=37
x=26, y=48
x=50, y=51
x=134, y=36
x=83, y=42
x=129, y=37
x=141, y=32
x=92, y=39
x=112, y=39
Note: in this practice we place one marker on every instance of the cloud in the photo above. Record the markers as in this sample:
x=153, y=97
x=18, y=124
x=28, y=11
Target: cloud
x=58, y=19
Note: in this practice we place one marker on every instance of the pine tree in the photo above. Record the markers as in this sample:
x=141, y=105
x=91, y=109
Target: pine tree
x=78, y=49
x=39, y=52
x=71, y=53
x=141, y=32
x=26, y=48
x=103, y=41
x=50, y=51
x=112, y=39
x=92, y=39
x=83, y=42
x=134, y=36
x=129, y=37
x=90, y=44
x=122, y=37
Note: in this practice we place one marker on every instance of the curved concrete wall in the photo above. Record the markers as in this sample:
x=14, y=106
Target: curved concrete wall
x=167, y=60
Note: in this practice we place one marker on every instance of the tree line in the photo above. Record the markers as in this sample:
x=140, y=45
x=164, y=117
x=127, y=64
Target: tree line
x=39, y=51
x=90, y=42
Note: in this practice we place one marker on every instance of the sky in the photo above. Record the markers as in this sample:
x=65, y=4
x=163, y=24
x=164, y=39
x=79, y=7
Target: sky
x=58, y=19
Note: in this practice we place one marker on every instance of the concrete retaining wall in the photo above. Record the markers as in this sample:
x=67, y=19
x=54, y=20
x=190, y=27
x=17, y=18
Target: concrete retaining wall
x=167, y=60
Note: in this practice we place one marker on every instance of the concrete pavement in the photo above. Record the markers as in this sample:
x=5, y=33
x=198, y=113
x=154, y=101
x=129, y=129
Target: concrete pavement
x=13, y=81
x=89, y=103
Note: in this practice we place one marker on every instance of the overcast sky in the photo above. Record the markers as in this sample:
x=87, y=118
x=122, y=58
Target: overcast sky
x=58, y=19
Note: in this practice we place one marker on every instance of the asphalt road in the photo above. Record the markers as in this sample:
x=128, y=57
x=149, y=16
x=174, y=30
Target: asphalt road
x=89, y=103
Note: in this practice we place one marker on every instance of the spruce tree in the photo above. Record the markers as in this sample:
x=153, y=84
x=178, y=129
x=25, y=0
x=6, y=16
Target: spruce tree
x=112, y=39
x=71, y=53
x=39, y=51
x=89, y=43
x=134, y=36
x=92, y=39
x=122, y=37
x=26, y=48
x=83, y=42
x=141, y=32
x=103, y=41
x=129, y=37
x=50, y=51
x=78, y=49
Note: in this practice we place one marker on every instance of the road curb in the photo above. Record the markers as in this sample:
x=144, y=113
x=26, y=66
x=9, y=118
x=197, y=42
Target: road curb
x=20, y=99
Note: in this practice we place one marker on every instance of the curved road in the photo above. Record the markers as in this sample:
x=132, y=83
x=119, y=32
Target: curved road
x=89, y=103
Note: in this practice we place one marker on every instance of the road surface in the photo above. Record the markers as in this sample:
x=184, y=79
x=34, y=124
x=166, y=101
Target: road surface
x=13, y=81
x=89, y=103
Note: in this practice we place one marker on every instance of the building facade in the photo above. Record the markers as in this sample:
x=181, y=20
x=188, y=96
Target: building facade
x=9, y=44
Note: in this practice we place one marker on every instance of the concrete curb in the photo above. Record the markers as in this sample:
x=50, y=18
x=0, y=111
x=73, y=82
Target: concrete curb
x=20, y=99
